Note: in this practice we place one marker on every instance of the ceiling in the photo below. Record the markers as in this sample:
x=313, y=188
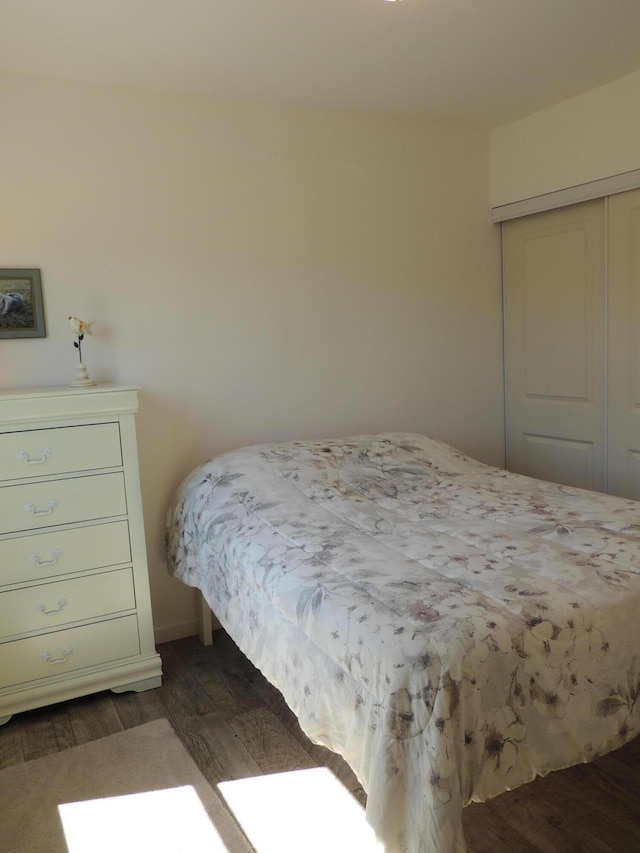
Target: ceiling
x=481, y=62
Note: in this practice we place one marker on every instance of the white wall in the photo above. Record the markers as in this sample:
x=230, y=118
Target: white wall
x=593, y=136
x=262, y=272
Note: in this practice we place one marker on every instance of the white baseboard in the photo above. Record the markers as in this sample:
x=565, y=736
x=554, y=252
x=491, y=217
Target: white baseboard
x=167, y=633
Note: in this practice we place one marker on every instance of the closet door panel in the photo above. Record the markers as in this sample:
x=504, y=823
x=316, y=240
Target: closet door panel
x=624, y=345
x=554, y=273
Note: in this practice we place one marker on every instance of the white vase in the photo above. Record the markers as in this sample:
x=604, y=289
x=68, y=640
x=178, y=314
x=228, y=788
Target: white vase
x=82, y=377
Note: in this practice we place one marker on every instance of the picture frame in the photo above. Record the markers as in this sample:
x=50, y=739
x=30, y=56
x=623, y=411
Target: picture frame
x=21, y=304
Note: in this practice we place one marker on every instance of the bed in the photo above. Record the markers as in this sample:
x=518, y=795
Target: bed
x=451, y=629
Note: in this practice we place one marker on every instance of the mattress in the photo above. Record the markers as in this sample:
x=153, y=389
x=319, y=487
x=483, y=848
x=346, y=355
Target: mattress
x=451, y=629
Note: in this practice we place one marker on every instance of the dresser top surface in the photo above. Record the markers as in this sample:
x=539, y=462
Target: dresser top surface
x=64, y=391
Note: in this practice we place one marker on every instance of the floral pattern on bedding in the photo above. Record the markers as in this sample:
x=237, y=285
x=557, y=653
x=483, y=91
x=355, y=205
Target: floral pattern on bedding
x=451, y=629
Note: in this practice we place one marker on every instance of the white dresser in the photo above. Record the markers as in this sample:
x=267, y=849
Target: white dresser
x=75, y=612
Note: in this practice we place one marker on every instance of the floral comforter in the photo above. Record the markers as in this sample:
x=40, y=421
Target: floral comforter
x=451, y=629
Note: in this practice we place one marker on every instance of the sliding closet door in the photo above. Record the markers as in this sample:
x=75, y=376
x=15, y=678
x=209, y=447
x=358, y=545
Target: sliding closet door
x=554, y=278
x=624, y=344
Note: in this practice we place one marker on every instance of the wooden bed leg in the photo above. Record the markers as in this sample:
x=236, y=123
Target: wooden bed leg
x=205, y=628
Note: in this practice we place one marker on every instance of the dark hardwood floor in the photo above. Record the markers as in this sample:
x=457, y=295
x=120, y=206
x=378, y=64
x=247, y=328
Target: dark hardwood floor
x=236, y=725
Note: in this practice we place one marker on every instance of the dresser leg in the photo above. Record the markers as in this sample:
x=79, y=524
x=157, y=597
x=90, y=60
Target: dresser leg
x=139, y=686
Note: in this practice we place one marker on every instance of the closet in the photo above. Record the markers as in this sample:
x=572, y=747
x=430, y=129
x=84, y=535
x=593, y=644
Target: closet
x=572, y=344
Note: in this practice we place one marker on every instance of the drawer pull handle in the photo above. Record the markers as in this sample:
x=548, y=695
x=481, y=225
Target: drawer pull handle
x=42, y=608
x=47, y=657
x=55, y=556
x=37, y=460
x=51, y=505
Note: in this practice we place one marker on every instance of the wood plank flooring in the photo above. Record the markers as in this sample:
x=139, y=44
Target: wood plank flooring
x=236, y=725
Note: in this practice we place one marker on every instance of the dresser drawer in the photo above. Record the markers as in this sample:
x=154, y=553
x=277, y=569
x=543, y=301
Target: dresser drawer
x=44, y=504
x=49, y=605
x=62, y=652
x=60, y=552
x=46, y=452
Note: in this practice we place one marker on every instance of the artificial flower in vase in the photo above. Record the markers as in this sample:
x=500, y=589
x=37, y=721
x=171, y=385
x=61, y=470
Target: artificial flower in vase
x=80, y=329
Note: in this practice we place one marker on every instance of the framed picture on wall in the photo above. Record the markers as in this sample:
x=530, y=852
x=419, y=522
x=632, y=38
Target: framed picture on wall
x=21, y=306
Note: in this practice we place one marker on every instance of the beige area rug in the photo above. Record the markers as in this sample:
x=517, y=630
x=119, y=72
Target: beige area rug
x=135, y=790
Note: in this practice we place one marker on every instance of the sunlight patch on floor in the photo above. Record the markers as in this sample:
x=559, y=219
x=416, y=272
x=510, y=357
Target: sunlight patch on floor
x=165, y=821
x=308, y=810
